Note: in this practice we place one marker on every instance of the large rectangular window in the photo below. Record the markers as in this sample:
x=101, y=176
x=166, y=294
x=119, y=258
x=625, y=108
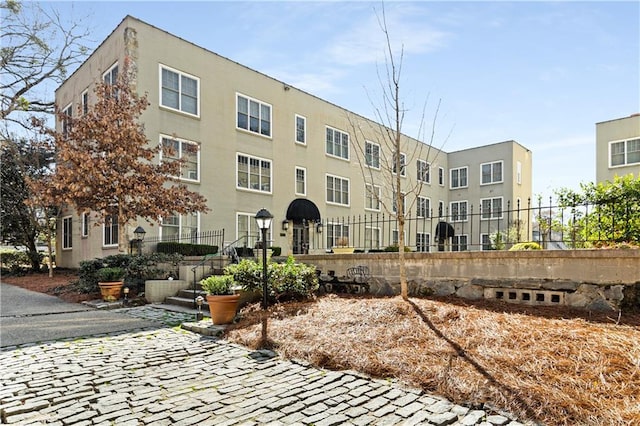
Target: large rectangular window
x=372, y=197
x=402, y=200
x=423, y=241
x=372, y=238
x=458, y=211
x=491, y=173
x=424, y=171
x=301, y=181
x=189, y=152
x=179, y=91
x=423, y=207
x=301, y=129
x=337, y=190
x=337, y=143
x=111, y=75
x=458, y=177
x=624, y=152
x=110, y=231
x=403, y=164
x=183, y=228
x=253, y=115
x=67, y=233
x=335, y=232
x=460, y=243
x=372, y=155
x=247, y=232
x=491, y=208
x=254, y=173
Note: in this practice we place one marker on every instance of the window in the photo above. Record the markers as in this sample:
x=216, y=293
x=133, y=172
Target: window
x=85, y=224
x=440, y=208
x=337, y=190
x=395, y=203
x=254, y=173
x=111, y=76
x=110, y=231
x=372, y=197
x=179, y=91
x=485, y=240
x=337, y=143
x=335, y=231
x=372, y=155
x=491, y=208
x=254, y=116
x=491, y=173
x=85, y=102
x=67, y=112
x=189, y=152
x=301, y=182
x=67, y=233
x=301, y=129
x=424, y=173
x=458, y=211
x=247, y=232
x=459, y=177
x=183, y=228
x=403, y=163
x=423, y=206
x=423, y=241
x=372, y=237
x=440, y=176
x=624, y=152
x=519, y=173
x=460, y=243
x=395, y=237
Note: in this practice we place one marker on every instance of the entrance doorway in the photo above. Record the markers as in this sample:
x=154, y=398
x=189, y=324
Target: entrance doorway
x=303, y=214
x=301, y=238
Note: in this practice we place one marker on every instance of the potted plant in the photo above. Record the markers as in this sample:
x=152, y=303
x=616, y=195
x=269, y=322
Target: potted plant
x=221, y=298
x=342, y=246
x=110, y=281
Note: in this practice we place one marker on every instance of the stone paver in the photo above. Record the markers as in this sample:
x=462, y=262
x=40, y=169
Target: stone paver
x=173, y=376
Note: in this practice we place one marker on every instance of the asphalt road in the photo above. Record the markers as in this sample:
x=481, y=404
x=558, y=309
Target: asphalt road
x=29, y=317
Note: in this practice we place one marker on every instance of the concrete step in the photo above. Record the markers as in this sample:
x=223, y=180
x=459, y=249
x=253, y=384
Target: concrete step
x=186, y=302
x=188, y=293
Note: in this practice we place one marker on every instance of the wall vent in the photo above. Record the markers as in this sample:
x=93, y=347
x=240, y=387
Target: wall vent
x=526, y=296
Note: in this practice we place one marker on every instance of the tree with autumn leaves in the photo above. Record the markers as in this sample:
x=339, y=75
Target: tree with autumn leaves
x=104, y=163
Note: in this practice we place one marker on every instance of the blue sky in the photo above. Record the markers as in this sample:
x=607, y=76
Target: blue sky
x=540, y=73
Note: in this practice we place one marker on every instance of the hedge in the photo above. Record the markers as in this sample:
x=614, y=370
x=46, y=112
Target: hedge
x=186, y=249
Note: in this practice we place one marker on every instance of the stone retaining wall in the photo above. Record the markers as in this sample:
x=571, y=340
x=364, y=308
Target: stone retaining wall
x=588, y=279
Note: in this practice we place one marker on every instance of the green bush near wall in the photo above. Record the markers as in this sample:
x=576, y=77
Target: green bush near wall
x=186, y=249
x=525, y=246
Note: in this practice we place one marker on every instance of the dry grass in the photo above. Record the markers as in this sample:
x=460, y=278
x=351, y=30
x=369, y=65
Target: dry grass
x=544, y=365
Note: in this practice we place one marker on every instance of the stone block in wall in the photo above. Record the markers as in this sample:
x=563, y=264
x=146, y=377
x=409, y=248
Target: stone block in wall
x=615, y=293
x=442, y=288
x=560, y=285
x=155, y=291
x=471, y=291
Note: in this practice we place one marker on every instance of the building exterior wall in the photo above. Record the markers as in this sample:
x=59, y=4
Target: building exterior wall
x=614, y=132
x=214, y=130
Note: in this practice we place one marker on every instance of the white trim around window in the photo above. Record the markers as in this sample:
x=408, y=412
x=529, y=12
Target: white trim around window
x=441, y=176
x=253, y=116
x=110, y=76
x=372, y=197
x=372, y=155
x=84, y=231
x=423, y=169
x=337, y=190
x=185, y=149
x=300, y=180
x=458, y=211
x=300, y=129
x=253, y=173
x=84, y=101
x=491, y=208
x=492, y=173
x=626, y=152
x=403, y=164
x=110, y=231
x=67, y=233
x=459, y=177
x=336, y=143
x=178, y=91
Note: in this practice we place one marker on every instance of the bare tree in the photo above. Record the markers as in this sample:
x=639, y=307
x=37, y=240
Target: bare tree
x=390, y=117
x=38, y=46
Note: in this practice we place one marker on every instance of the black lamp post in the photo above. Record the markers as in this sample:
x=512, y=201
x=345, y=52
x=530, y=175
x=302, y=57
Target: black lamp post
x=263, y=219
x=139, y=234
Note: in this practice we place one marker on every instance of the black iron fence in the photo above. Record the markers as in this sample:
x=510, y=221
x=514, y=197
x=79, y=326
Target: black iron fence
x=211, y=238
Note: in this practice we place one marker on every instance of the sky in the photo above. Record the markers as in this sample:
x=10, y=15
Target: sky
x=540, y=73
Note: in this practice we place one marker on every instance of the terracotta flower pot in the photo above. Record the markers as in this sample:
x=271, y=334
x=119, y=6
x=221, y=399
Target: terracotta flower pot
x=110, y=291
x=223, y=308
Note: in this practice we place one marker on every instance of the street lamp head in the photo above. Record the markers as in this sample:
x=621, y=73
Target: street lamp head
x=263, y=219
x=139, y=233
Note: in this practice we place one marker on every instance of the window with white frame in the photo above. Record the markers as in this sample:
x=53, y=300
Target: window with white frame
x=402, y=200
x=337, y=144
x=491, y=208
x=111, y=75
x=67, y=113
x=372, y=155
x=177, y=227
x=458, y=177
x=301, y=181
x=485, y=241
x=519, y=173
x=110, y=231
x=460, y=243
x=491, y=173
x=179, y=91
x=187, y=151
x=403, y=164
x=336, y=231
x=423, y=241
x=85, y=102
x=254, y=173
x=337, y=190
x=67, y=233
x=623, y=153
x=458, y=211
x=424, y=171
x=372, y=197
x=247, y=231
x=253, y=115
x=85, y=224
x=372, y=237
x=441, y=176
x=301, y=129
x=423, y=207
x=395, y=237
x=440, y=208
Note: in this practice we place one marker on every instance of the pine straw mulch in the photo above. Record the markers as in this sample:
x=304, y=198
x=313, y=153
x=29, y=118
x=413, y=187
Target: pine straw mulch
x=60, y=285
x=548, y=365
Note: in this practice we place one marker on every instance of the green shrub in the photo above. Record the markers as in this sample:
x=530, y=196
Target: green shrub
x=218, y=284
x=112, y=274
x=88, y=273
x=186, y=249
x=15, y=261
x=276, y=251
x=396, y=249
x=525, y=246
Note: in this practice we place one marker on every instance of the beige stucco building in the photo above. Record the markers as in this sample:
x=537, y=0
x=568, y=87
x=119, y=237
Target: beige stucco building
x=618, y=148
x=261, y=143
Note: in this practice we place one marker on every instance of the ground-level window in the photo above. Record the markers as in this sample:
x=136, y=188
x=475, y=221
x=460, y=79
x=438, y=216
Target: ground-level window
x=372, y=238
x=485, y=240
x=372, y=197
x=458, y=211
x=110, y=231
x=254, y=173
x=67, y=233
x=247, y=231
x=187, y=151
x=491, y=208
x=460, y=243
x=335, y=232
x=337, y=190
x=423, y=241
x=301, y=181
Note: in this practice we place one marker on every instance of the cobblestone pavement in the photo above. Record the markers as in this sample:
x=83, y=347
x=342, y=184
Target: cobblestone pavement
x=170, y=376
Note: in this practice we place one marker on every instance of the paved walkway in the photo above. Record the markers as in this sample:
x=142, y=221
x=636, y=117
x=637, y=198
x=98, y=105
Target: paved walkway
x=170, y=376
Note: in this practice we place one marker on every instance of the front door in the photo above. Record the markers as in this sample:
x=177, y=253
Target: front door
x=300, y=238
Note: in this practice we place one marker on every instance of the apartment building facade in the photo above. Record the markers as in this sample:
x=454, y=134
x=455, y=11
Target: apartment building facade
x=618, y=148
x=251, y=142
